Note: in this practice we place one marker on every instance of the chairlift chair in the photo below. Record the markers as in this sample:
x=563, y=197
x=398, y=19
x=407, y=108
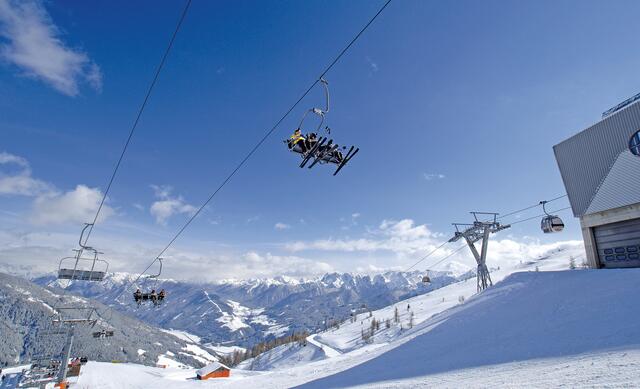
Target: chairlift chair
x=550, y=223
x=103, y=334
x=322, y=149
x=95, y=272
x=156, y=298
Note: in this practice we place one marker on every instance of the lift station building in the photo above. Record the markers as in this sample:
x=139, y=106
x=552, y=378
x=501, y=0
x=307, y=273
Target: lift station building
x=600, y=167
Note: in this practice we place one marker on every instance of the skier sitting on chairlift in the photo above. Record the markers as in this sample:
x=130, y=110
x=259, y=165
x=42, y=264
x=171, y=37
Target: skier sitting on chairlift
x=297, y=139
x=161, y=296
x=153, y=296
x=137, y=296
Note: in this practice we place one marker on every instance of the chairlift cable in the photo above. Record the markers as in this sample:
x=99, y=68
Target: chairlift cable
x=260, y=143
x=530, y=207
x=503, y=216
x=464, y=245
x=539, y=216
x=428, y=255
x=139, y=115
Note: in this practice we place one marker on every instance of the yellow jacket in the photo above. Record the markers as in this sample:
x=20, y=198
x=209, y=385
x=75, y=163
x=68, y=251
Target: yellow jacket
x=296, y=138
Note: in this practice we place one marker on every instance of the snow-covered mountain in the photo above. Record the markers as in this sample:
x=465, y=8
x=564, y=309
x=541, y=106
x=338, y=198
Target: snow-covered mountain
x=243, y=312
x=25, y=319
x=533, y=328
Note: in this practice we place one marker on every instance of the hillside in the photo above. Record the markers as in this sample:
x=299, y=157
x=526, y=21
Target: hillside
x=25, y=316
x=533, y=329
x=248, y=311
x=529, y=317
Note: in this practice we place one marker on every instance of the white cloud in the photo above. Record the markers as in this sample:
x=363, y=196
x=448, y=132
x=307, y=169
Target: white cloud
x=281, y=226
x=50, y=206
x=6, y=158
x=270, y=265
x=19, y=182
x=77, y=206
x=253, y=219
x=168, y=205
x=31, y=42
x=433, y=176
x=372, y=65
x=397, y=236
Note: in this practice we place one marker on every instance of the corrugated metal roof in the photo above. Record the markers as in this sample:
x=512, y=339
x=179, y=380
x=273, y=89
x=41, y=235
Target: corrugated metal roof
x=621, y=186
x=586, y=158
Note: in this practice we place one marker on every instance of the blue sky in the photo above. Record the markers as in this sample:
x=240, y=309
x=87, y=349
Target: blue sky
x=454, y=105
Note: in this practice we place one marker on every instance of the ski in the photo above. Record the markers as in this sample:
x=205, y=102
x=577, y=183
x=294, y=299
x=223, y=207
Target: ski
x=346, y=159
x=312, y=152
x=321, y=155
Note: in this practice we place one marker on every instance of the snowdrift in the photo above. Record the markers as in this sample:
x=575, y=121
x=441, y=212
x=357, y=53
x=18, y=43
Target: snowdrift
x=527, y=316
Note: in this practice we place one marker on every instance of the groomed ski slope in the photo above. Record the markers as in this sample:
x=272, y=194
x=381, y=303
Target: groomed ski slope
x=534, y=329
x=527, y=319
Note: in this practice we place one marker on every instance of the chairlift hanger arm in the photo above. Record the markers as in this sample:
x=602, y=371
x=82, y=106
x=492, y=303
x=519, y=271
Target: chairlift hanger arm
x=80, y=240
x=325, y=85
x=544, y=208
x=159, y=270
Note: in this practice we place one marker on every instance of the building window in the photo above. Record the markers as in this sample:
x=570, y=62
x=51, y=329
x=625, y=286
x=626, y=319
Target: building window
x=634, y=143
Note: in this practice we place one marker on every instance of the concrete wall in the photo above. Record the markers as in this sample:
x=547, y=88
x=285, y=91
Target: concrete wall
x=588, y=222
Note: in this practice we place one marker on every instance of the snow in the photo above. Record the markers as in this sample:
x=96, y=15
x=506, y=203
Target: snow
x=284, y=356
x=544, y=328
x=225, y=350
x=164, y=360
x=183, y=335
x=200, y=354
x=234, y=321
x=530, y=316
x=12, y=376
x=141, y=351
x=328, y=351
x=102, y=375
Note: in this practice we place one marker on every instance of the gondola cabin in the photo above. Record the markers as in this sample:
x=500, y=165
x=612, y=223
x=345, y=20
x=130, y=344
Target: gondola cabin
x=551, y=223
x=213, y=370
x=426, y=280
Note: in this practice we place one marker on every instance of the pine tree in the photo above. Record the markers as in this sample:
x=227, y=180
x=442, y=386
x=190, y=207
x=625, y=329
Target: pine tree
x=572, y=263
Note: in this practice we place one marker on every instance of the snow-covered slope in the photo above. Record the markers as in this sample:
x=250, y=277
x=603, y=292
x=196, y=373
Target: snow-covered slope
x=532, y=329
x=25, y=317
x=529, y=316
x=289, y=355
x=285, y=356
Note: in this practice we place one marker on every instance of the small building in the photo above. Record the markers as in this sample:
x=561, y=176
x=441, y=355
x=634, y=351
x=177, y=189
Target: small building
x=600, y=168
x=213, y=370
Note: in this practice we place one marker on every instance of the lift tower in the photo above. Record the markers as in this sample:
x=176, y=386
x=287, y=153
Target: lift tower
x=479, y=230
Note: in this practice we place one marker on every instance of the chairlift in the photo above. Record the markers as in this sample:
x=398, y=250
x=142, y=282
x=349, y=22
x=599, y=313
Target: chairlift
x=103, y=334
x=155, y=298
x=321, y=149
x=550, y=223
x=95, y=269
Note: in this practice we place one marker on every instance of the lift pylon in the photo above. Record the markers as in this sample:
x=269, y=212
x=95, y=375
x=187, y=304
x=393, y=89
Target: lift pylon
x=479, y=231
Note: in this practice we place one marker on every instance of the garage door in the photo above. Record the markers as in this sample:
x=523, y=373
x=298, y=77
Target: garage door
x=619, y=244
